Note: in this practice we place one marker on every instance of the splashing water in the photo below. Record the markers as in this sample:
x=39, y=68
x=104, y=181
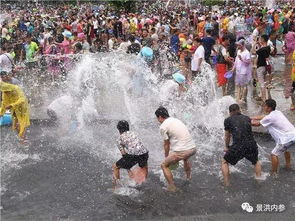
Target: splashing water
x=114, y=86
x=110, y=87
x=270, y=4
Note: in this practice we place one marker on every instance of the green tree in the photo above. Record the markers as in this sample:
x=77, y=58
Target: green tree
x=213, y=2
x=127, y=5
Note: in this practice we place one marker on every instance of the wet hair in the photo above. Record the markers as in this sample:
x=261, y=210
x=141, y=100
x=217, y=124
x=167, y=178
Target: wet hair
x=265, y=37
x=234, y=108
x=199, y=40
x=209, y=31
x=78, y=47
x=224, y=38
x=271, y=103
x=162, y=112
x=123, y=126
x=241, y=38
x=132, y=38
x=3, y=73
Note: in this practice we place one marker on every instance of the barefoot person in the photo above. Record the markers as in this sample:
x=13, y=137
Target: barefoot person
x=281, y=130
x=13, y=99
x=132, y=150
x=244, y=146
x=178, y=145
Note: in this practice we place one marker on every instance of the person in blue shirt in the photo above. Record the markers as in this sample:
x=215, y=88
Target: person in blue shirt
x=174, y=42
x=208, y=43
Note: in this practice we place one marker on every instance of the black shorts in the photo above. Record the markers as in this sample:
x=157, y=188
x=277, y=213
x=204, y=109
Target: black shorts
x=128, y=161
x=235, y=153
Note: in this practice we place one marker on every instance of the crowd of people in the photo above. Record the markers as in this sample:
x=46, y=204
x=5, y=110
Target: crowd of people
x=243, y=40
x=239, y=41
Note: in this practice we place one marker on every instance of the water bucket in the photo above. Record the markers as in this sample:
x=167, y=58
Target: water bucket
x=6, y=119
x=228, y=74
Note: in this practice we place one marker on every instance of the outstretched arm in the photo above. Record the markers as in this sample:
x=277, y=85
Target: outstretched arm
x=257, y=117
x=255, y=123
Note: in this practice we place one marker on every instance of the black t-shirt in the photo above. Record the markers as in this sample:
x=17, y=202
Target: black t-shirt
x=262, y=53
x=240, y=128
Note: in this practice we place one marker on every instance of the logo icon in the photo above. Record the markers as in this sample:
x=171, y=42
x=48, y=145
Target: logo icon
x=247, y=207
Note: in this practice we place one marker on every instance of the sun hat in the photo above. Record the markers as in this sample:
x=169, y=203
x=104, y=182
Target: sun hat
x=179, y=78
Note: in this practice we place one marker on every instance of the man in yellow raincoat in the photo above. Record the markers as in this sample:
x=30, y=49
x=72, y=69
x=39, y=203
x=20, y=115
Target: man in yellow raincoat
x=13, y=99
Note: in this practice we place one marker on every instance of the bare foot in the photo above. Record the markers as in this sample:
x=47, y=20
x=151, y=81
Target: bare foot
x=274, y=175
x=170, y=188
x=226, y=183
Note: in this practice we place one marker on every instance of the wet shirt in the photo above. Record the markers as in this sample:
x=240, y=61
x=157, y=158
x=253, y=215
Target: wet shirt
x=208, y=43
x=178, y=135
x=263, y=53
x=279, y=127
x=240, y=128
x=131, y=144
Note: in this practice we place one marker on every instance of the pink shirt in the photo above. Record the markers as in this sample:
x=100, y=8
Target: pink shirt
x=290, y=42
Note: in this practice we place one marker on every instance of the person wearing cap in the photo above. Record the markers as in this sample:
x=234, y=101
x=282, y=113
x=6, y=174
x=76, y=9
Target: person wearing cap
x=243, y=69
x=133, y=152
x=178, y=145
x=81, y=38
x=208, y=43
x=198, y=57
x=13, y=99
x=173, y=88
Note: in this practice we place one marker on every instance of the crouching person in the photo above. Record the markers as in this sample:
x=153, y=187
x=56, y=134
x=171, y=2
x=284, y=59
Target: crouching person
x=244, y=146
x=132, y=150
x=178, y=145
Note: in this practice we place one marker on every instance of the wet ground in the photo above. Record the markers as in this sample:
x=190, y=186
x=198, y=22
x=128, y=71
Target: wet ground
x=67, y=178
x=66, y=175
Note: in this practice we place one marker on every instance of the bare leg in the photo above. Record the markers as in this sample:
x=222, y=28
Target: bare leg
x=225, y=172
x=274, y=164
x=293, y=101
x=238, y=93
x=288, y=159
x=245, y=93
x=224, y=90
x=146, y=170
x=263, y=94
x=116, y=175
x=188, y=169
x=169, y=177
x=257, y=169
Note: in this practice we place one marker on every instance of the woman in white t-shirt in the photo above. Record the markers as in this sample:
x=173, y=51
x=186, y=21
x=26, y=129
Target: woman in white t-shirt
x=198, y=57
x=281, y=130
x=243, y=69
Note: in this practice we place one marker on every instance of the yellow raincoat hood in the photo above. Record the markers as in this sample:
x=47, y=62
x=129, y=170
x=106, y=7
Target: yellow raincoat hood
x=18, y=105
